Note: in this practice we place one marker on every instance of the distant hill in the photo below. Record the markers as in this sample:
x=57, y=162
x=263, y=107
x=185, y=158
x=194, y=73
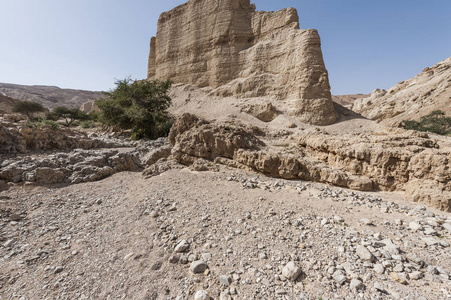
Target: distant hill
x=6, y=104
x=348, y=100
x=49, y=96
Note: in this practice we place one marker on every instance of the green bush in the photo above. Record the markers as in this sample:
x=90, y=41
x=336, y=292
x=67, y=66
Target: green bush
x=28, y=108
x=139, y=106
x=42, y=123
x=87, y=124
x=436, y=122
x=68, y=114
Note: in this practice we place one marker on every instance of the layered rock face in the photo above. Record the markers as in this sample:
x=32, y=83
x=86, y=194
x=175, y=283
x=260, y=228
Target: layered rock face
x=235, y=50
x=410, y=99
x=409, y=161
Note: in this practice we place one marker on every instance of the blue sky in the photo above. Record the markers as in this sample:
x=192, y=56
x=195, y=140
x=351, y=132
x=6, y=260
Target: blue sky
x=86, y=44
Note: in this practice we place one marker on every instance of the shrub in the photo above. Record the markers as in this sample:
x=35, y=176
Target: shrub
x=42, y=123
x=435, y=122
x=87, y=124
x=69, y=114
x=28, y=108
x=139, y=106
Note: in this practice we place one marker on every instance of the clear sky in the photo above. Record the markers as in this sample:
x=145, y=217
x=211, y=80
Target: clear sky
x=86, y=44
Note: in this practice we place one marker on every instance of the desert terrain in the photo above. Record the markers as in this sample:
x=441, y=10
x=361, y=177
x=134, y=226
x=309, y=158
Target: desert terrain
x=264, y=189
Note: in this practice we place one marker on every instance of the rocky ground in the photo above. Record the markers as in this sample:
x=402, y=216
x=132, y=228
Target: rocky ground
x=96, y=216
x=231, y=233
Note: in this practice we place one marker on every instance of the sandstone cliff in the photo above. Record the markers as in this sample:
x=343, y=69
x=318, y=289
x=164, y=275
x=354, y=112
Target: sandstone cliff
x=410, y=99
x=233, y=49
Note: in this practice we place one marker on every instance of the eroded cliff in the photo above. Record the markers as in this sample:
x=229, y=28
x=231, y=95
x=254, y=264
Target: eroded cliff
x=238, y=51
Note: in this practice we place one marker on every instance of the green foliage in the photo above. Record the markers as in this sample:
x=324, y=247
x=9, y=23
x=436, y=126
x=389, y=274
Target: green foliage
x=28, y=108
x=139, y=106
x=87, y=124
x=69, y=114
x=435, y=122
x=42, y=123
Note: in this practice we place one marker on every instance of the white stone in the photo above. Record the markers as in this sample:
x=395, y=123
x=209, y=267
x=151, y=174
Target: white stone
x=291, y=271
x=201, y=295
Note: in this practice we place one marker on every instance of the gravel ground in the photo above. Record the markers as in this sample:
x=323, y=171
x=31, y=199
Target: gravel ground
x=229, y=234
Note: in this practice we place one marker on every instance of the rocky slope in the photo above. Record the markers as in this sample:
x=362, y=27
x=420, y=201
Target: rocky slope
x=348, y=100
x=235, y=50
x=6, y=104
x=410, y=99
x=49, y=96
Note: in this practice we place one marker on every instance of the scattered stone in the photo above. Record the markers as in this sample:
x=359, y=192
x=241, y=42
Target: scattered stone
x=182, y=246
x=201, y=295
x=225, y=280
x=416, y=275
x=339, y=277
x=415, y=226
x=366, y=221
x=291, y=271
x=379, y=268
x=198, y=266
x=357, y=284
x=399, y=277
x=173, y=259
x=364, y=253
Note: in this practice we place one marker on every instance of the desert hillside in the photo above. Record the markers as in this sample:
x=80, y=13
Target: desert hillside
x=412, y=98
x=49, y=96
x=348, y=100
x=6, y=104
x=264, y=187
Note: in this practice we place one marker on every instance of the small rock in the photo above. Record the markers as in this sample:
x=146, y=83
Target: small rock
x=429, y=231
x=399, y=277
x=366, y=221
x=201, y=295
x=430, y=241
x=225, y=280
x=379, y=287
x=15, y=217
x=357, y=285
x=58, y=269
x=364, y=253
x=416, y=275
x=291, y=271
x=379, y=269
x=173, y=259
x=415, y=226
x=198, y=266
x=338, y=219
x=339, y=277
x=280, y=291
x=182, y=246
x=128, y=256
x=224, y=296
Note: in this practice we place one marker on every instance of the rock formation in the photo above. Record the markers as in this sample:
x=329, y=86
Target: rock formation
x=409, y=161
x=233, y=49
x=410, y=99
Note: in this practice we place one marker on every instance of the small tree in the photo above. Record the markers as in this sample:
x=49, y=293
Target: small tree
x=69, y=114
x=139, y=106
x=436, y=122
x=28, y=108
